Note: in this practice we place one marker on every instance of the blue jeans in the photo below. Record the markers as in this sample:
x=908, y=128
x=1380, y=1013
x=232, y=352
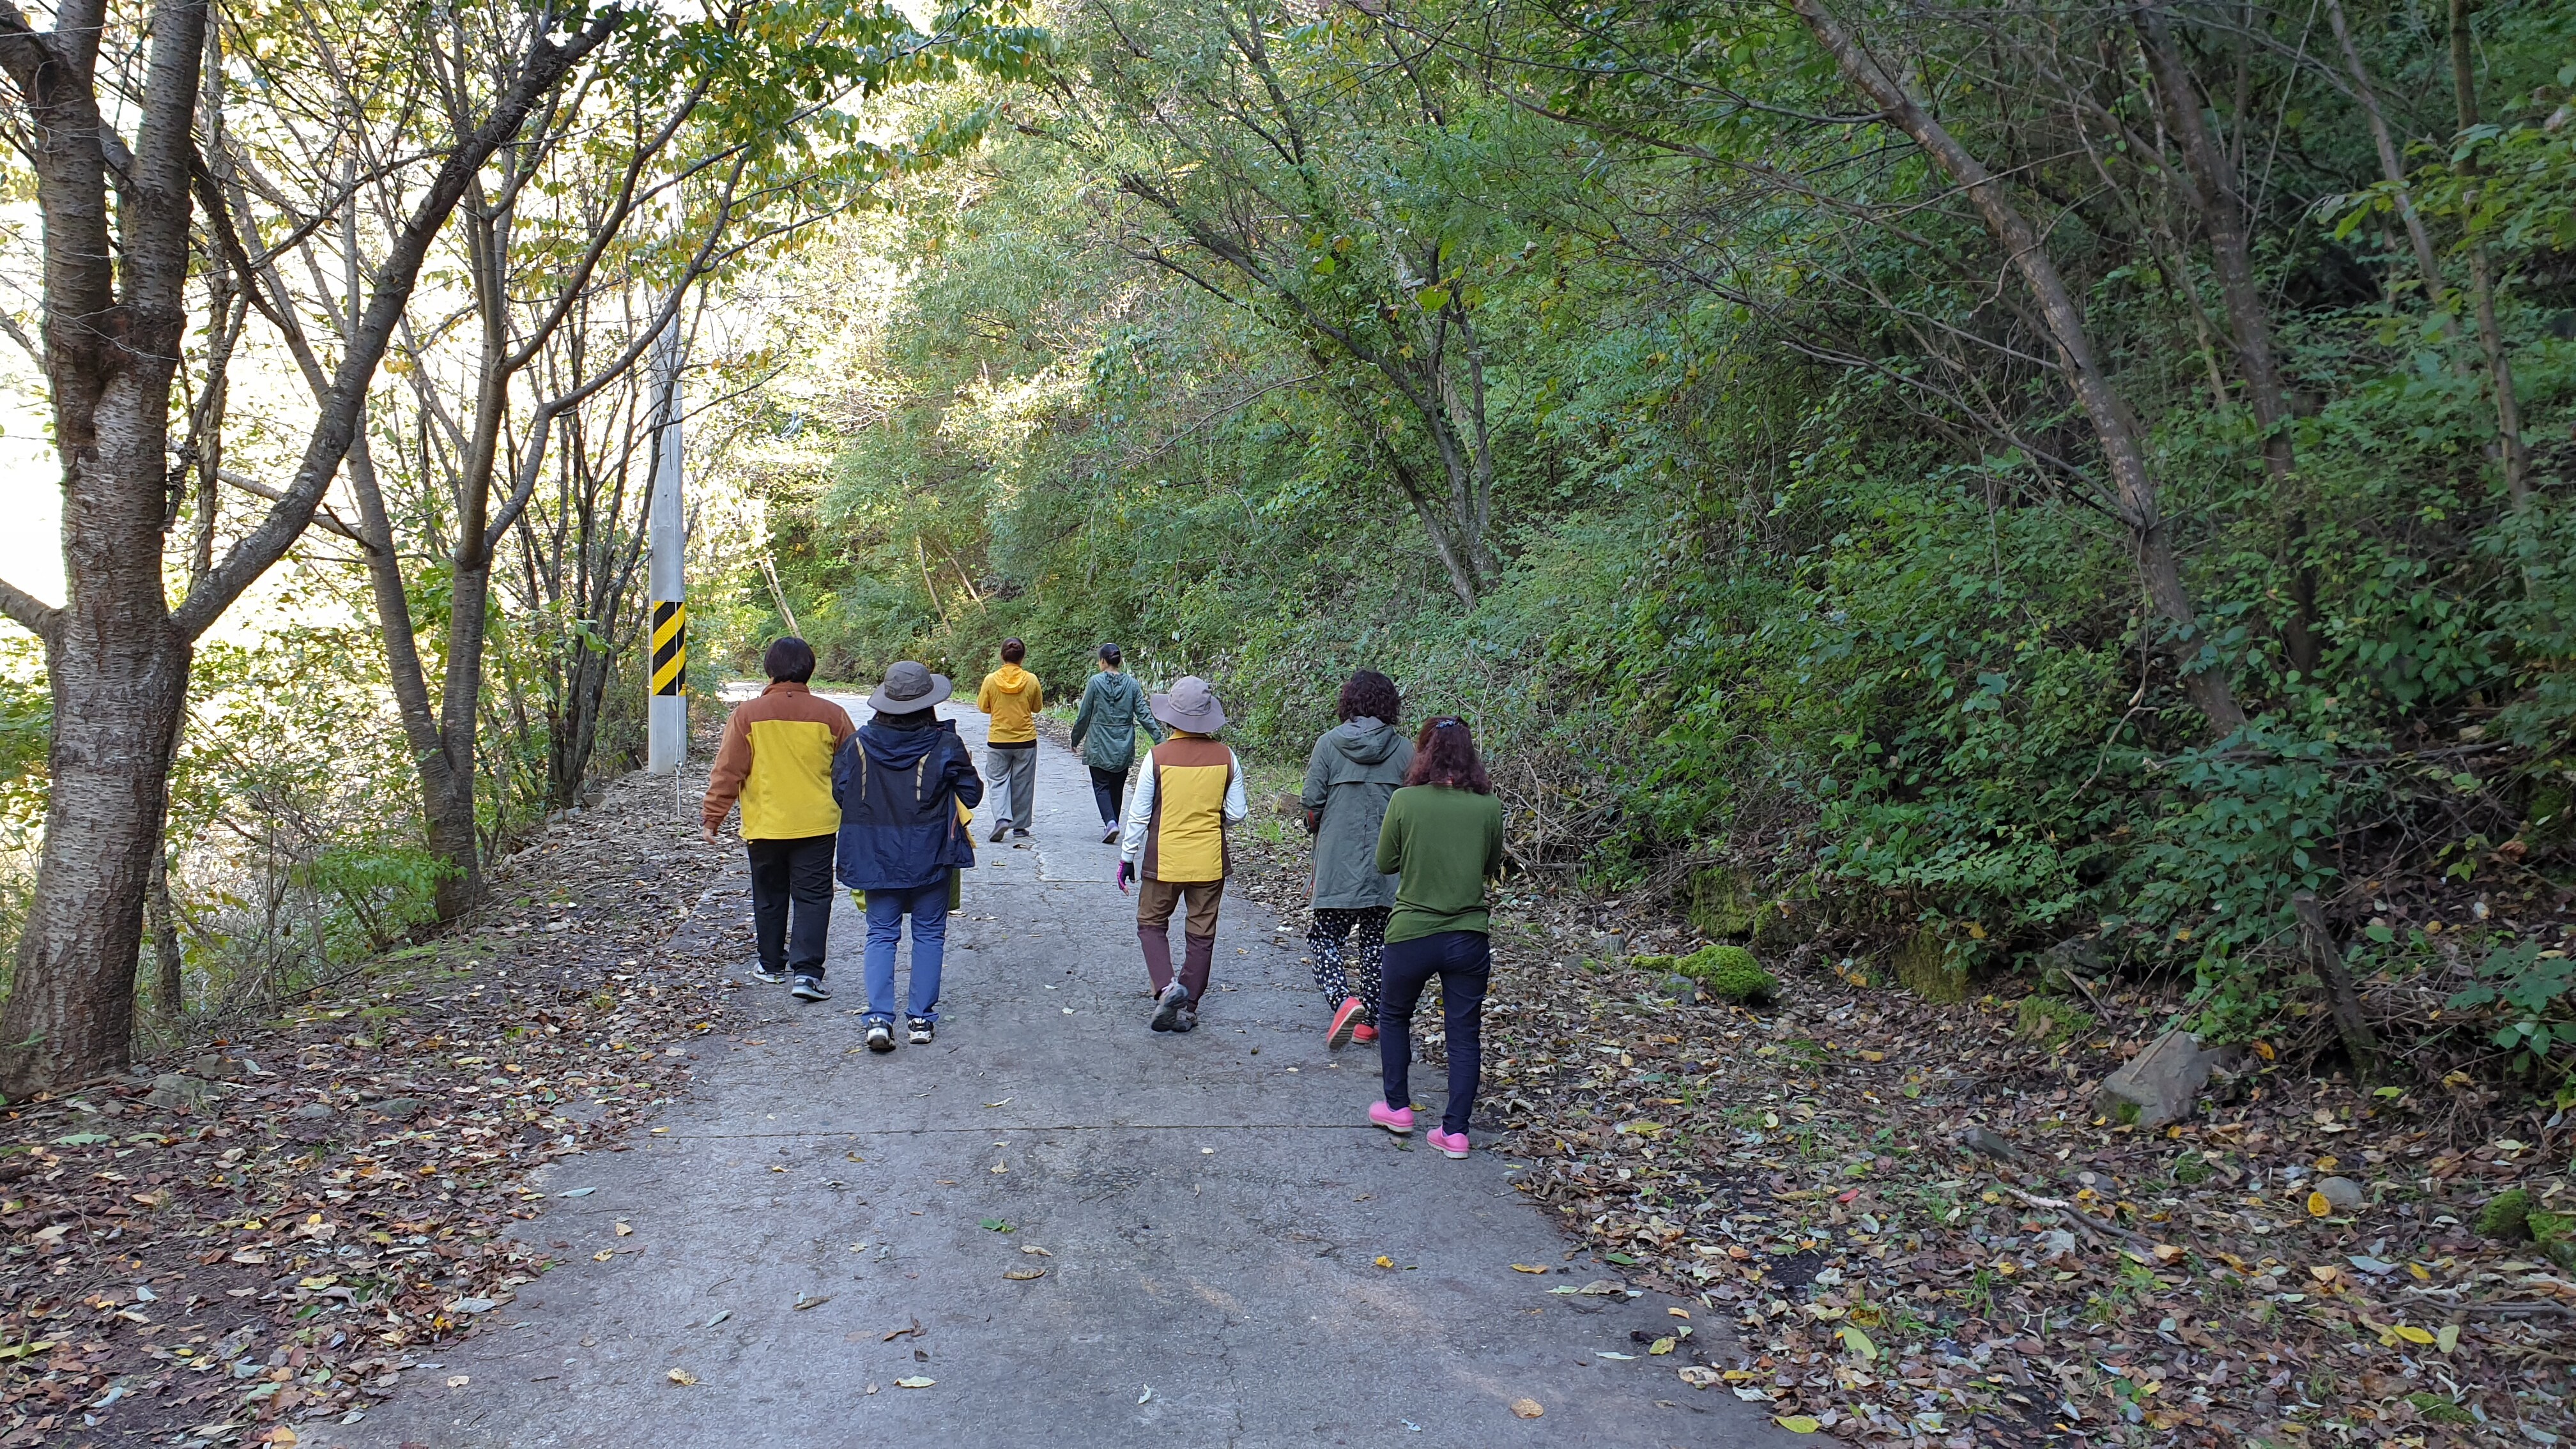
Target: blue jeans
x=928, y=907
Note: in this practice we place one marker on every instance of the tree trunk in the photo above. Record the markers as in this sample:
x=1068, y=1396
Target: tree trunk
x=2360, y=1044
x=1455, y=559
x=2225, y=216
x=71, y=1016
x=2133, y=483
x=170, y=964
x=2516, y=458
x=2390, y=167
x=451, y=835
x=117, y=654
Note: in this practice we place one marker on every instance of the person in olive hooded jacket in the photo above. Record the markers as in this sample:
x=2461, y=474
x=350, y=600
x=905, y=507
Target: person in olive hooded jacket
x=904, y=782
x=1113, y=709
x=1354, y=768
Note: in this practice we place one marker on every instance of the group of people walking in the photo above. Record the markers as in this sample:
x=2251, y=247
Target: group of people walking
x=1407, y=832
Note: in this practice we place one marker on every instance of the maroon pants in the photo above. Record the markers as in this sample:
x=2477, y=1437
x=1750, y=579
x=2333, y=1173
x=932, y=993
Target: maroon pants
x=1156, y=900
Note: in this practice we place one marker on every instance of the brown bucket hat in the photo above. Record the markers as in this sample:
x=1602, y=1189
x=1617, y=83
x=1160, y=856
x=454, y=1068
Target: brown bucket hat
x=1190, y=706
x=908, y=689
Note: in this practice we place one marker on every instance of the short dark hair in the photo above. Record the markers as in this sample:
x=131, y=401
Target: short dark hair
x=1444, y=754
x=789, y=661
x=1368, y=694
x=1013, y=651
x=1109, y=654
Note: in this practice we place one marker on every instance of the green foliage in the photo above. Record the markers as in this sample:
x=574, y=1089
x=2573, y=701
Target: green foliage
x=2525, y=986
x=1808, y=615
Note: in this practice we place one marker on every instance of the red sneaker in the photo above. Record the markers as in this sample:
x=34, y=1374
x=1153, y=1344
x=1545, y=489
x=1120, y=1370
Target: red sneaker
x=1345, y=1021
x=1363, y=1034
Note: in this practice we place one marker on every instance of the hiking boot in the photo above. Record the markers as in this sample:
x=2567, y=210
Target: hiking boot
x=1169, y=1006
x=998, y=832
x=809, y=988
x=1364, y=1035
x=1398, y=1120
x=769, y=975
x=1345, y=1022
x=1188, y=1020
x=921, y=1029
x=880, y=1036
x=1452, y=1143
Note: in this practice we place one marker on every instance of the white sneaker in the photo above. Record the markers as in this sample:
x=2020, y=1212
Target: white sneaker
x=921, y=1029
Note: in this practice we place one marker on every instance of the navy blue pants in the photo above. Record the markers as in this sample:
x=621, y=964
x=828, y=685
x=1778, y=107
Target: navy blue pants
x=1464, y=962
x=1107, y=788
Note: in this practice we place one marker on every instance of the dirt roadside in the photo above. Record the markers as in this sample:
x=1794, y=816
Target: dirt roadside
x=278, y=1226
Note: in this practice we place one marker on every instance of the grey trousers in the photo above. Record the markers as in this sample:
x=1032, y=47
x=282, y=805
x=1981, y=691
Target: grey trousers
x=1011, y=780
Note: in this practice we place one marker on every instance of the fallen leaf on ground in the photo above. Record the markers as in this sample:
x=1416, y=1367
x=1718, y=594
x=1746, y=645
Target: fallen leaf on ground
x=1529, y=1268
x=682, y=1377
x=1023, y=1275
x=1527, y=1408
x=916, y=1381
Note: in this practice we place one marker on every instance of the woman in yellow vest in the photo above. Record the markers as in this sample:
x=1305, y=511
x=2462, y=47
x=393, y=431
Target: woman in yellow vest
x=1174, y=846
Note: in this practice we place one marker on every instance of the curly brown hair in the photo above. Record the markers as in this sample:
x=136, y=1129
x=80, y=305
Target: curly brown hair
x=1444, y=754
x=1368, y=694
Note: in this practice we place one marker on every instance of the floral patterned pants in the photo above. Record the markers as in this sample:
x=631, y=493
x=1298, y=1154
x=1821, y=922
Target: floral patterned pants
x=1336, y=937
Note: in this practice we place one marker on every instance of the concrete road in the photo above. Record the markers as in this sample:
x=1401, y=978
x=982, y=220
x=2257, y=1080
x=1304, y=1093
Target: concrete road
x=1213, y=1218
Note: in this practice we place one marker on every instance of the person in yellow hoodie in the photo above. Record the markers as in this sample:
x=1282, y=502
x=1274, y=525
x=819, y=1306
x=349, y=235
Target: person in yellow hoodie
x=1010, y=696
x=777, y=759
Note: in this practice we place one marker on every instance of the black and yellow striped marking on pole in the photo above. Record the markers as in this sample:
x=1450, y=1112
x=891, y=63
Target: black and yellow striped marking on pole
x=670, y=646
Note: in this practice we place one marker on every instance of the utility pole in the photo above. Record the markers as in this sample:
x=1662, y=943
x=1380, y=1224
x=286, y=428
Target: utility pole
x=667, y=722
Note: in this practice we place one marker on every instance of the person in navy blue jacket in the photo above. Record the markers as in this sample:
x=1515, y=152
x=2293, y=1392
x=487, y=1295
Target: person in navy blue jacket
x=904, y=782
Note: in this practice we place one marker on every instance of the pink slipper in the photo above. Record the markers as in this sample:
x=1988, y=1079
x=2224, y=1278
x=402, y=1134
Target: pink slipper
x=1453, y=1143
x=1398, y=1120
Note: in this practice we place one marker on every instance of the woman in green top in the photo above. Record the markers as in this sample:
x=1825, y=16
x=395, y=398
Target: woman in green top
x=1443, y=836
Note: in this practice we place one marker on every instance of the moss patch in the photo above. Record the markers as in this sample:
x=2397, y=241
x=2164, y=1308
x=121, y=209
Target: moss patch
x=2555, y=1233
x=2439, y=1410
x=1926, y=966
x=2507, y=1216
x=1729, y=973
x=2051, y=1019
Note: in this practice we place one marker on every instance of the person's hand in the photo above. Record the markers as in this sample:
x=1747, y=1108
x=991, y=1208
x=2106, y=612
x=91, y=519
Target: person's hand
x=710, y=832
x=1126, y=873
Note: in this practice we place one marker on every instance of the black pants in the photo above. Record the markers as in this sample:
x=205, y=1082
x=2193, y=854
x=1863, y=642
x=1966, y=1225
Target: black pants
x=798, y=871
x=1463, y=960
x=1106, y=788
